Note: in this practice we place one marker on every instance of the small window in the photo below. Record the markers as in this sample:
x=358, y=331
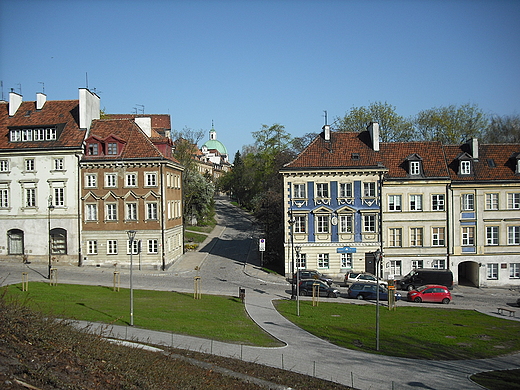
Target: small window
x=300, y=224
x=415, y=168
x=58, y=164
x=345, y=223
x=93, y=149
x=355, y=156
x=4, y=165
x=492, y=271
x=394, y=202
x=131, y=180
x=323, y=260
x=111, y=180
x=438, y=202
x=346, y=260
x=299, y=191
x=492, y=235
x=151, y=180
x=322, y=190
x=468, y=202
x=492, y=201
x=345, y=190
x=513, y=201
x=322, y=224
x=112, y=148
x=415, y=202
x=395, y=237
x=92, y=247
x=465, y=167
x=369, y=189
x=29, y=164
x=416, y=236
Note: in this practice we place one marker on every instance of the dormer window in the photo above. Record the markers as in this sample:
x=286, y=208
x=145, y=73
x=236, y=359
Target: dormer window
x=414, y=165
x=465, y=164
x=93, y=149
x=112, y=148
x=465, y=167
x=518, y=164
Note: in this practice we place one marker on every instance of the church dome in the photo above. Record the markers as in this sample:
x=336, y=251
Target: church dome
x=214, y=143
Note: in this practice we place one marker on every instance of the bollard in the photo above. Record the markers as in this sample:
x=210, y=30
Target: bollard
x=53, y=281
x=25, y=281
x=242, y=294
x=196, y=287
x=117, y=281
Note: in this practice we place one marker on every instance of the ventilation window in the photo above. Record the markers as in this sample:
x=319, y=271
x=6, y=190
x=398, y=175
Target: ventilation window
x=491, y=163
x=355, y=156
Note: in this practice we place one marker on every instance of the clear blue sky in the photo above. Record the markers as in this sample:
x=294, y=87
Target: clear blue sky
x=247, y=63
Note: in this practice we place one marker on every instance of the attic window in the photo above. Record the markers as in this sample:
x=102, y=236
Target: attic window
x=415, y=168
x=93, y=149
x=112, y=148
x=355, y=156
x=491, y=163
x=465, y=167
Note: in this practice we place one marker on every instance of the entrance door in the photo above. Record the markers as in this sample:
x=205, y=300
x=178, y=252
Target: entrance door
x=469, y=273
x=370, y=263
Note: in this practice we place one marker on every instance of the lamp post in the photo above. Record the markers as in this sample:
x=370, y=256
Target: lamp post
x=50, y=207
x=377, y=258
x=131, y=236
x=291, y=227
x=298, y=250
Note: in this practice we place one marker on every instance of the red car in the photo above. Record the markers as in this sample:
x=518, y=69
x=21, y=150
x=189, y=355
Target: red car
x=430, y=293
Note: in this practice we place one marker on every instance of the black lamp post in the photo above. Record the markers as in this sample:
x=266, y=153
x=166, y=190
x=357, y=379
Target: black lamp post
x=50, y=207
x=377, y=258
x=291, y=227
x=131, y=236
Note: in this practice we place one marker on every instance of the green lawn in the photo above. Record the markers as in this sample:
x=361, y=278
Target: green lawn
x=412, y=332
x=216, y=317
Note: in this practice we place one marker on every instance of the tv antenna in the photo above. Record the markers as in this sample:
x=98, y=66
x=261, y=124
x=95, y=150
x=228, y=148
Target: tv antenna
x=142, y=108
x=325, y=115
x=19, y=88
x=43, y=86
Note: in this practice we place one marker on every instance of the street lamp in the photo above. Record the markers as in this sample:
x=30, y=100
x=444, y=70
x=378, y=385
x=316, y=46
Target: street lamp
x=298, y=249
x=291, y=227
x=131, y=236
x=50, y=207
x=377, y=258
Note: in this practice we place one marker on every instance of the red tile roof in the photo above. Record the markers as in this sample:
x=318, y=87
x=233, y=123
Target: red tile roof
x=55, y=112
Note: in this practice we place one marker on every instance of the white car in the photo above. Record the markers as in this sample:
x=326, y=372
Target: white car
x=351, y=277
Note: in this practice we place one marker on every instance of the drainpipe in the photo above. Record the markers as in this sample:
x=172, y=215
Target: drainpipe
x=449, y=221
x=163, y=267
x=80, y=214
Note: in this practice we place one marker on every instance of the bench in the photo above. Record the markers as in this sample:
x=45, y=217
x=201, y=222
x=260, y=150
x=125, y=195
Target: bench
x=501, y=310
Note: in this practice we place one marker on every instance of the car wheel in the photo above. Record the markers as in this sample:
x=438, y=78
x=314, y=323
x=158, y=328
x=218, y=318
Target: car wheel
x=303, y=293
x=360, y=297
x=332, y=295
x=410, y=287
x=446, y=301
x=417, y=299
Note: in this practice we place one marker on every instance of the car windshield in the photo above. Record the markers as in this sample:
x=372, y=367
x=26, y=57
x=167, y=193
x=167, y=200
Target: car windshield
x=422, y=288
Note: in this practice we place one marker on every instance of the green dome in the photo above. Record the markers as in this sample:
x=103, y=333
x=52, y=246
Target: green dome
x=216, y=144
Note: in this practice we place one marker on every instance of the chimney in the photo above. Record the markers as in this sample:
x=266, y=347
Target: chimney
x=15, y=100
x=474, y=148
x=88, y=108
x=145, y=123
x=326, y=132
x=41, y=98
x=373, y=129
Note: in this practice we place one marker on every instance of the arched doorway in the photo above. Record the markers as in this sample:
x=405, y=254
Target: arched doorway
x=58, y=241
x=469, y=273
x=15, y=242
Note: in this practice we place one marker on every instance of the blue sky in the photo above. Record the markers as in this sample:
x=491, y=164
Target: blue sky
x=242, y=64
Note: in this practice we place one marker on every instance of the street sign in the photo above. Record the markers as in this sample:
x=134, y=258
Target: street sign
x=262, y=245
x=346, y=249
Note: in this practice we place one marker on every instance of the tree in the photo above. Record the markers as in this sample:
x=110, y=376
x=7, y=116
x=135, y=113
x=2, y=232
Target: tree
x=300, y=143
x=393, y=127
x=451, y=124
x=503, y=129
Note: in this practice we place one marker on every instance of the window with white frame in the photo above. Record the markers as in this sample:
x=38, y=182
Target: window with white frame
x=27, y=135
x=30, y=197
x=301, y=261
x=438, y=236
x=151, y=211
x=491, y=235
x=513, y=235
x=439, y=264
x=345, y=190
x=417, y=264
x=514, y=270
x=492, y=201
x=29, y=164
x=345, y=223
x=322, y=190
x=415, y=202
x=59, y=164
x=438, y=202
x=323, y=260
x=50, y=134
x=513, y=201
x=39, y=134
x=90, y=180
x=322, y=224
x=93, y=149
x=91, y=213
x=132, y=247
x=300, y=224
x=111, y=180
x=131, y=180
x=468, y=202
x=394, y=202
x=395, y=267
x=4, y=197
x=416, y=236
x=299, y=191
x=153, y=246
x=151, y=179
x=131, y=211
x=92, y=247
x=415, y=168
x=468, y=236
x=4, y=165
x=465, y=167
x=59, y=197
x=346, y=260
x=395, y=237
x=492, y=271
x=369, y=189
x=111, y=247
x=112, y=148
x=15, y=135
x=369, y=223
x=111, y=212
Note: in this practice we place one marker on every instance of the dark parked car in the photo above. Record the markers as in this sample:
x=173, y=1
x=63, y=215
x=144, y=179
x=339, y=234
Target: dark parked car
x=368, y=291
x=423, y=276
x=311, y=274
x=323, y=288
x=430, y=293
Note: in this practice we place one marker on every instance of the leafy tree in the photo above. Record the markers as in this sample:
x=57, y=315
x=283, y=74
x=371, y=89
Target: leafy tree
x=503, y=129
x=300, y=143
x=452, y=124
x=392, y=126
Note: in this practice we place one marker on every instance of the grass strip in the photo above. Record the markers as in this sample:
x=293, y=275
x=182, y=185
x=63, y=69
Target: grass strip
x=411, y=332
x=221, y=318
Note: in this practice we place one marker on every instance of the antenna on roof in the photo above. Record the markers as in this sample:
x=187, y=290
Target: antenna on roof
x=43, y=86
x=325, y=115
x=135, y=109
x=86, y=79
x=19, y=88
x=2, y=87
x=142, y=108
